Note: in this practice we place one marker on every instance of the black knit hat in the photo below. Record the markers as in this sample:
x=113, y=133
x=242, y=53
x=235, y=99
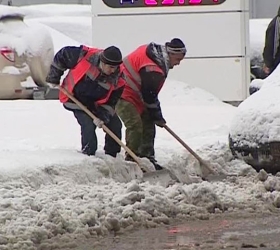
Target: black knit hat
x=176, y=46
x=112, y=56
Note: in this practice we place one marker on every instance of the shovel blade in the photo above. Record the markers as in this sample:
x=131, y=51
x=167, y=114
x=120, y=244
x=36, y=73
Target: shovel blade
x=163, y=177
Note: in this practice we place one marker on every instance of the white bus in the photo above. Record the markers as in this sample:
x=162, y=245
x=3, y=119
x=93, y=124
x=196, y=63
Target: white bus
x=216, y=34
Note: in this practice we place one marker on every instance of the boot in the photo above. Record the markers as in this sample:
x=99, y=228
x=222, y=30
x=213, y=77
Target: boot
x=114, y=155
x=128, y=158
x=154, y=162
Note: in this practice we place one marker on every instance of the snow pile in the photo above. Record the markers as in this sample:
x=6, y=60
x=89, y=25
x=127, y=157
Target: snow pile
x=51, y=203
x=190, y=95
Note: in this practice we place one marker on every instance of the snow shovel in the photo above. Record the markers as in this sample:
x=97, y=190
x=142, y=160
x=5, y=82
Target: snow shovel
x=144, y=163
x=207, y=171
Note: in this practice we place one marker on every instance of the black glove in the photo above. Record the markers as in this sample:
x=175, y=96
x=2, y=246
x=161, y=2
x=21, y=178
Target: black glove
x=54, y=75
x=160, y=123
x=103, y=114
x=156, y=116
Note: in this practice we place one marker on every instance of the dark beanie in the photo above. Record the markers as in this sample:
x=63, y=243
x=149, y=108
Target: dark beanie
x=112, y=56
x=176, y=46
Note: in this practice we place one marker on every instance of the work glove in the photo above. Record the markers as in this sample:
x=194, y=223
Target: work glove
x=103, y=114
x=160, y=123
x=98, y=123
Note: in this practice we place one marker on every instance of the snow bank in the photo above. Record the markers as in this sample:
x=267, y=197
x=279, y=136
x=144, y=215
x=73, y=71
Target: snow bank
x=80, y=201
x=188, y=95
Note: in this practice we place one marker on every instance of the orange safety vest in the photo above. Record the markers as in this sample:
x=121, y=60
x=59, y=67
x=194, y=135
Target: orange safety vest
x=84, y=67
x=131, y=66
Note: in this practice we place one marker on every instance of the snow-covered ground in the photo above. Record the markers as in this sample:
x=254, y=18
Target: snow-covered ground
x=48, y=190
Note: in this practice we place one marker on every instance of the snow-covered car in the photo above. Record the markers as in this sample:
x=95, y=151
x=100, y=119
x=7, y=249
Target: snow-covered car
x=255, y=129
x=26, y=52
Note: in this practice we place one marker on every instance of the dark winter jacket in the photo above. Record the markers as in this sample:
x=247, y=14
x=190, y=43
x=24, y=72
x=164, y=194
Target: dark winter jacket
x=151, y=81
x=271, y=52
x=86, y=91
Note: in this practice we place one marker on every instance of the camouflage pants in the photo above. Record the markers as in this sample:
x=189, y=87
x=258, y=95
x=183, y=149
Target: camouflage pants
x=140, y=129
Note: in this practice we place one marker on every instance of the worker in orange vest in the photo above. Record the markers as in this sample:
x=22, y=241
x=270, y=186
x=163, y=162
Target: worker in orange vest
x=93, y=79
x=146, y=70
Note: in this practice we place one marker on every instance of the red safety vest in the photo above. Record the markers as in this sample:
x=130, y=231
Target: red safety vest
x=131, y=66
x=91, y=69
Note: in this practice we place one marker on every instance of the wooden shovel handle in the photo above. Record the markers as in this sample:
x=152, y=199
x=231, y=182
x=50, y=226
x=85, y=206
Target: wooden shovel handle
x=104, y=127
x=201, y=161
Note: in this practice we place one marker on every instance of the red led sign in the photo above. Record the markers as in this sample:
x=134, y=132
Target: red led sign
x=158, y=3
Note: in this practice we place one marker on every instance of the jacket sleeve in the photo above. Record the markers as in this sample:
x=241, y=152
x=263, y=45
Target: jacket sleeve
x=151, y=82
x=104, y=114
x=65, y=58
x=269, y=45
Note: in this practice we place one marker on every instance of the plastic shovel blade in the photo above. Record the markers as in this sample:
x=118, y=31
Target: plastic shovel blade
x=163, y=177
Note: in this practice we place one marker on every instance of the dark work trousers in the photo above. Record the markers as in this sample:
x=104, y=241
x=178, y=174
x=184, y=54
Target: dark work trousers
x=89, y=138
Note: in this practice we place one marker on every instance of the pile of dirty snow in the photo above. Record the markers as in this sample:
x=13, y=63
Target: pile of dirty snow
x=89, y=200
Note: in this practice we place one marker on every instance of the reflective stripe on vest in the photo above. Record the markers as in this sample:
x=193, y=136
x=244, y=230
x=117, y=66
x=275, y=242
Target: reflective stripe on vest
x=132, y=85
x=108, y=108
x=92, y=73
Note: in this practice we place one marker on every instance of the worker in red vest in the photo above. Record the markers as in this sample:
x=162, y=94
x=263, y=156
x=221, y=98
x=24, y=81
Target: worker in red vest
x=93, y=79
x=146, y=70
